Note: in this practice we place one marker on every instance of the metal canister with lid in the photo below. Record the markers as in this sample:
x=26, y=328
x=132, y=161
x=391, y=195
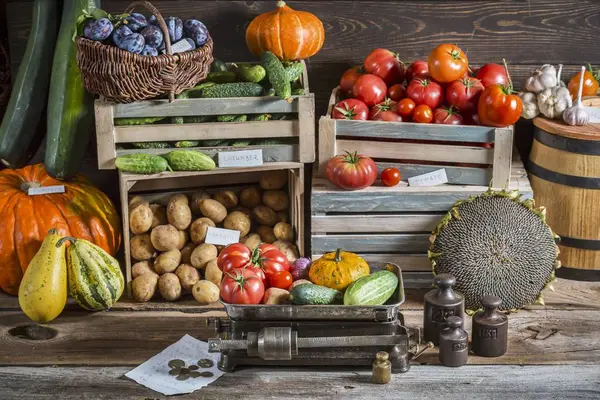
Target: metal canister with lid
x=440, y=304
x=454, y=343
x=382, y=368
x=490, y=329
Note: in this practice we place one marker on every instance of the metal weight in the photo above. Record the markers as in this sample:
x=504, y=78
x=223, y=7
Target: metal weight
x=454, y=343
x=490, y=329
x=440, y=304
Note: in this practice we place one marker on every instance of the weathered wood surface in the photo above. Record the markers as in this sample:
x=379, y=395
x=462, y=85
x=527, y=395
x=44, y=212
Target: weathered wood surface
x=270, y=153
x=456, y=175
x=371, y=243
x=372, y=223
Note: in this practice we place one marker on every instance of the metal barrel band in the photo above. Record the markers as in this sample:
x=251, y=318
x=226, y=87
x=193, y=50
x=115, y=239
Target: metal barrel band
x=578, y=274
x=563, y=179
x=585, y=244
x=579, y=146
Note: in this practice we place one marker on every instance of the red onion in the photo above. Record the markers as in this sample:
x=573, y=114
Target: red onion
x=300, y=268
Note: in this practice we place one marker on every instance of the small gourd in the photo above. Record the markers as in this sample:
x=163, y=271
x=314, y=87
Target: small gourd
x=577, y=115
x=552, y=102
x=542, y=78
x=530, y=105
x=338, y=269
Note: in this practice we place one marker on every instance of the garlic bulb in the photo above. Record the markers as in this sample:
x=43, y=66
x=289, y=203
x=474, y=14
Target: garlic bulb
x=543, y=78
x=552, y=102
x=530, y=106
x=576, y=115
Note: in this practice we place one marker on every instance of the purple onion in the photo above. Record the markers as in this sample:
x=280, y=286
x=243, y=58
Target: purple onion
x=299, y=268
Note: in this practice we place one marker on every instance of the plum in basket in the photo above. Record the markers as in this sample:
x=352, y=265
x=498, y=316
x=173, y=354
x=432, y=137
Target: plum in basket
x=99, y=29
x=149, y=51
x=152, y=20
x=136, y=22
x=120, y=33
x=133, y=43
x=175, y=26
x=152, y=36
x=196, y=31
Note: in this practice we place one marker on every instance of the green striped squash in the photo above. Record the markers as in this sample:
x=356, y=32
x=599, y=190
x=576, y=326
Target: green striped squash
x=371, y=290
x=95, y=278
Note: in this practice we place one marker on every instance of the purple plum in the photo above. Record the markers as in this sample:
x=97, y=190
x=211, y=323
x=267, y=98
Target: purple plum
x=152, y=20
x=99, y=29
x=152, y=35
x=136, y=22
x=175, y=27
x=120, y=33
x=197, y=32
x=133, y=43
x=149, y=51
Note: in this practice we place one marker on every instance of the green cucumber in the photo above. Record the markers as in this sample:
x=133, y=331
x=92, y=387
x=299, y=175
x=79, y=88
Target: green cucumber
x=315, y=295
x=218, y=66
x=187, y=143
x=189, y=160
x=179, y=120
x=260, y=117
x=70, y=118
x=141, y=164
x=277, y=75
x=196, y=91
x=293, y=70
x=251, y=73
x=221, y=77
x=225, y=118
x=30, y=88
x=239, y=89
x=137, y=121
x=240, y=143
x=240, y=118
x=151, y=145
x=214, y=143
x=371, y=290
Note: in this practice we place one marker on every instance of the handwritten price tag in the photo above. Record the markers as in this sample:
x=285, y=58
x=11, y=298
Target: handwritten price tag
x=243, y=158
x=221, y=237
x=433, y=178
x=46, y=190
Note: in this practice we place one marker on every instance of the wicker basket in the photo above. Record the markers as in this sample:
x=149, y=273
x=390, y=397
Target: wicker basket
x=124, y=77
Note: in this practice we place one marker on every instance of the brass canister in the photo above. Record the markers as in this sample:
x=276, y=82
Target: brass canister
x=382, y=368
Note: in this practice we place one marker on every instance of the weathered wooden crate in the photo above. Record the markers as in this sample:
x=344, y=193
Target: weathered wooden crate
x=471, y=155
x=390, y=224
x=300, y=132
x=159, y=188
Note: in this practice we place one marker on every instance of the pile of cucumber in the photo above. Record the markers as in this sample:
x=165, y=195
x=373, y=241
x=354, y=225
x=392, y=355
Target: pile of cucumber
x=176, y=160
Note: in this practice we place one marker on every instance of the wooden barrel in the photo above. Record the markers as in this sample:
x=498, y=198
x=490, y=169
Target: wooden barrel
x=564, y=169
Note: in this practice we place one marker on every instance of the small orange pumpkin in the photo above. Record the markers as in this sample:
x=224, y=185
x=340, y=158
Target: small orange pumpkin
x=82, y=211
x=289, y=34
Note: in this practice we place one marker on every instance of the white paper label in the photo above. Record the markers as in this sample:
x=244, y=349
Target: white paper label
x=46, y=190
x=221, y=237
x=180, y=47
x=433, y=178
x=594, y=114
x=243, y=158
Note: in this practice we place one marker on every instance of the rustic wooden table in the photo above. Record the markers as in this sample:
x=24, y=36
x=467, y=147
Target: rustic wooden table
x=554, y=352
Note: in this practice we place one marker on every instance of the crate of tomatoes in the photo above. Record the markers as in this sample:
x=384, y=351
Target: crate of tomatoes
x=435, y=113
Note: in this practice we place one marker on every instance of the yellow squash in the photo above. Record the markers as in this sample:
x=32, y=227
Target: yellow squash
x=43, y=290
x=337, y=270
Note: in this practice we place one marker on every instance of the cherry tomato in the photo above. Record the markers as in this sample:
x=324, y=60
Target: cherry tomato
x=350, y=109
x=406, y=108
x=447, y=116
x=369, y=89
x=242, y=286
x=499, y=107
x=422, y=114
x=390, y=176
x=386, y=65
x=351, y=171
x=281, y=280
x=418, y=69
x=590, y=84
x=464, y=93
x=425, y=91
x=349, y=77
x=447, y=63
x=492, y=74
x=385, y=111
x=396, y=92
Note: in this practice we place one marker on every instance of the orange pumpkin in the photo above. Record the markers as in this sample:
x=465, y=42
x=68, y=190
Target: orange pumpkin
x=289, y=34
x=83, y=211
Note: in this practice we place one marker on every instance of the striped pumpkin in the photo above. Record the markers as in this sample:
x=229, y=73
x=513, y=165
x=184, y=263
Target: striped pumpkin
x=95, y=278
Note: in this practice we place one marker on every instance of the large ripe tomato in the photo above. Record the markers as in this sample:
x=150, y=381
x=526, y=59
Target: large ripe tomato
x=390, y=176
x=281, y=280
x=242, y=286
x=406, y=107
x=350, y=109
x=234, y=256
x=386, y=65
x=266, y=259
x=425, y=91
x=464, y=93
x=351, y=171
x=447, y=63
x=270, y=260
x=396, y=92
x=447, y=116
x=418, y=69
x=349, y=77
x=423, y=114
x=590, y=84
x=385, y=111
x=492, y=74
x=369, y=89
x=498, y=106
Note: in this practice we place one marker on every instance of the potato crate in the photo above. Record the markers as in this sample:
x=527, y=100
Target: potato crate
x=471, y=155
x=297, y=133
x=158, y=188
x=390, y=224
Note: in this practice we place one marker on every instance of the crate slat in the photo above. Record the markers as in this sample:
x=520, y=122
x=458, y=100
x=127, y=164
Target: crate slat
x=456, y=175
x=406, y=262
x=409, y=243
x=271, y=153
x=371, y=223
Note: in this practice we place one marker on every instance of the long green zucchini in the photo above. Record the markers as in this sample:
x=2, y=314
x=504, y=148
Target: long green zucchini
x=30, y=87
x=70, y=106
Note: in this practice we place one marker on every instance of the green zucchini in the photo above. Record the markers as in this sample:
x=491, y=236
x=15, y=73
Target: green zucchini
x=277, y=75
x=137, y=121
x=239, y=89
x=189, y=160
x=218, y=66
x=141, y=164
x=293, y=70
x=30, y=88
x=371, y=290
x=70, y=118
x=251, y=73
x=221, y=77
x=315, y=295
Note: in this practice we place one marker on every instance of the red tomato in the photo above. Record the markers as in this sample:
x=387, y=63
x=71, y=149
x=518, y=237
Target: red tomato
x=390, y=176
x=492, y=74
x=270, y=259
x=396, y=92
x=386, y=65
x=349, y=77
x=425, y=91
x=406, y=108
x=350, y=109
x=266, y=259
x=499, y=107
x=281, y=280
x=385, y=111
x=351, y=171
x=242, y=286
x=447, y=63
x=234, y=256
x=422, y=114
x=464, y=93
x=369, y=89
x=418, y=69
x=447, y=116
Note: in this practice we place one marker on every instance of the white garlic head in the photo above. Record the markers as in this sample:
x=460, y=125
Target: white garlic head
x=530, y=106
x=542, y=78
x=576, y=115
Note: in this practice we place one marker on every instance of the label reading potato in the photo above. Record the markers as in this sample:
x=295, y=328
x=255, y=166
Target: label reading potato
x=222, y=237
x=244, y=158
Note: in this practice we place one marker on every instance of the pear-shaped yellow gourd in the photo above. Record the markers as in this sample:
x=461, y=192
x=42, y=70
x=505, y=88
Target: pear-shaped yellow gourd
x=43, y=290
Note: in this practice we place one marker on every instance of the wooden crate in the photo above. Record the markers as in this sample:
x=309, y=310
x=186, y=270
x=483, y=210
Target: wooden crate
x=390, y=224
x=464, y=151
x=160, y=187
x=299, y=132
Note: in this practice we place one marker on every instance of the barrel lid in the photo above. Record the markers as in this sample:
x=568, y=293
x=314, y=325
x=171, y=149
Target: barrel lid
x=558, y=127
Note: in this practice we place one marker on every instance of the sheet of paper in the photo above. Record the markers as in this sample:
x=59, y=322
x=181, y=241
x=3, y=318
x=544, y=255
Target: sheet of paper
x=154, y=373
x=32, y=191
x=221, y=237
x=433, y=178
x=243, y=158
x=594, y=114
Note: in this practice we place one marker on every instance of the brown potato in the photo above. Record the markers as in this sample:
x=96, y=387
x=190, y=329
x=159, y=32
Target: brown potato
x=197, y=197
x=300, y=282
x=141, y=248
x=282, y=216
x=227, y=197
x=188, y=276
x=167, y=261
x=165, y=237
x=183, y=239
x=135, y=201
x=290, y=250
x=203, y=254
x=275, y=295
x=214, y=210
x=273, y=179
x=180, y=197
x=278, y=200
x=252, y=241
x=199, y=228
x=142, y=267
x=178, y=212
x=244, y=210
x=284, y=231
x=169, y=287
x=186, y=252
x=140, y=218
x=237, y=221
x=159, y=215
x=213, y=273
x=250, y=197
x=266, y=234
x=205, y=292
x=144, y=287
x=264, y=215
